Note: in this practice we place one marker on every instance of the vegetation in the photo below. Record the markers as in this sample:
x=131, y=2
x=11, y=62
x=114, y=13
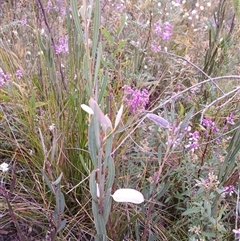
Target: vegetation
x=100, y=96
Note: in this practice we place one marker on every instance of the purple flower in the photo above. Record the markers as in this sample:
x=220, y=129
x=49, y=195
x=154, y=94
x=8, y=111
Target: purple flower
x=207, y=181
x=19, y=74
x=214, y=128
x=8, y=76
x=4, y=77
x=135, y=99
x=119, y=6
x=49, y=6
x=2, y=81
x=229, y=190
x=194, y=135
x=172, y=141
x=193, y=141
x=230, y=119
x=58, y=7
x=158, y=29
x=156, y=48
x=62, y=47
x=23, y=21
x=165, y=31
x=236, y=231
x=208, y=123
x=192, y=145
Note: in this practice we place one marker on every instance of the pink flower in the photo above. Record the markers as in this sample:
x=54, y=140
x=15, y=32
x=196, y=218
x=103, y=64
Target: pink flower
x=164, y=31
x=135, y=99
x=62, y=47
x=156, y=48
x=19, y=74
x=207, y=122
x=236, y=231
x=230, y=119
x=23, y=21
x=229, y=190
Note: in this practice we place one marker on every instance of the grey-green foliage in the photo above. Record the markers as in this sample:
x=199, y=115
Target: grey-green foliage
x=229, y=162
x=102, y=177
x=55, y=188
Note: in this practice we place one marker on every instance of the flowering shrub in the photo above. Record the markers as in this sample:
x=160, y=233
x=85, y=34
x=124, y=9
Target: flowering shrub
x=135, y=100
x=160, y=132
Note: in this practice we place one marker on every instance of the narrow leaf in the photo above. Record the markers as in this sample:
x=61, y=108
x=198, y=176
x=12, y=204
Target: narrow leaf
x=158, y=120
x=107, y=35
x=47, y=182
x=58, y=180
x=192, y=211
x=62, y=225
x=103, y=119
x=118, y=118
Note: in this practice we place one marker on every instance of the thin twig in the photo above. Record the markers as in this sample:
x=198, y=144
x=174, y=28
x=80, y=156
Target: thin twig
x=218, y=99
x=195, y=66
x=234, y=77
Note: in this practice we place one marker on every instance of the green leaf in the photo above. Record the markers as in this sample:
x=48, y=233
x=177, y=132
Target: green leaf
x=121, y=44
x=107, y=35
x=86, y=75
x=5, y=97
x=58, y=180
x=93, y=186
x=207, y=207
x=92, y=144
x=97, y=66
x=182, y=110
x=107, y=205
x=187, y=118
x=122, y=25
x=47, y=182
x=62, y=225
x=73, y=4
x=192, y=211
x=229, y=162
x=62, y=203
x=236, y=6
x=98, y=219
x=163, y=190
x=111, y=173
x=96, y=26
x=84, y=164
x=103, y=88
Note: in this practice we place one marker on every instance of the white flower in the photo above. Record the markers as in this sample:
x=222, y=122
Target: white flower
x=236, y=231
x=4, y=167
x=128, y=195
x=98, y=191
x=88, y=109
x=51, y=127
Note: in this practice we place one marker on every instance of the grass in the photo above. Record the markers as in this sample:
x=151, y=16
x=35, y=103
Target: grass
x=54, y=58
